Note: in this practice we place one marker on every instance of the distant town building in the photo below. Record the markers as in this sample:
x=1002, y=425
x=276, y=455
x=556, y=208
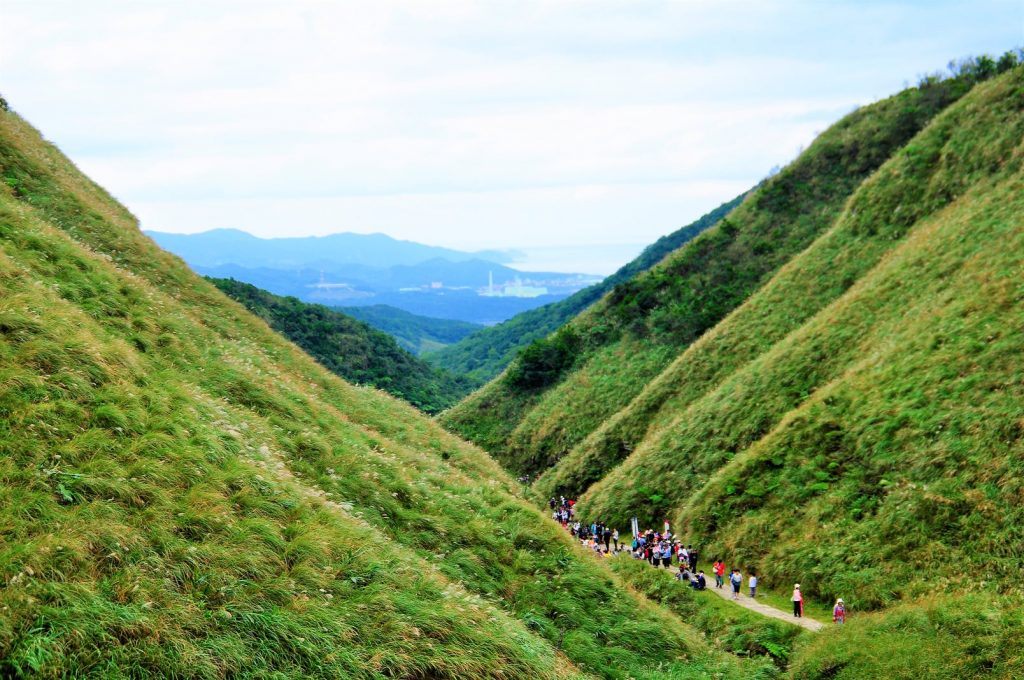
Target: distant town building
x=524, y=291
x=516, y=289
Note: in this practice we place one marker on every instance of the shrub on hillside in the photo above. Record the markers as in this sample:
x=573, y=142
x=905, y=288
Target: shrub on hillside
x=543, y=361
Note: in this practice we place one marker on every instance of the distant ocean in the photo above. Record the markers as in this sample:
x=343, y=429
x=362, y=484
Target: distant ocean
x=581, y=259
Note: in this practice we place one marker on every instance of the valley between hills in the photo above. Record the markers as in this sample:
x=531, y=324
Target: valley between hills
x=818, y=383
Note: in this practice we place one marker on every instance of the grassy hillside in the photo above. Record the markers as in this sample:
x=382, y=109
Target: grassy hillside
x=565, y=387
x=889, y=419
x=941, y=638
x=183, y=493
x=799, y=290
x=486, y=353
x=416, y=334
x=351, y=348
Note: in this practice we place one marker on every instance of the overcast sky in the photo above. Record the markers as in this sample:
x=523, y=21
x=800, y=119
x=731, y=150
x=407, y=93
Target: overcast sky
x=465, y=124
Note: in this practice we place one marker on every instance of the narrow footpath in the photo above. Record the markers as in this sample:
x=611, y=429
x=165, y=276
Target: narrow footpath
x=753, y=604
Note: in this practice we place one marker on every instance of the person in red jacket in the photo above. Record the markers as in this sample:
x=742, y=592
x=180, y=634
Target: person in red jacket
x=719, y=569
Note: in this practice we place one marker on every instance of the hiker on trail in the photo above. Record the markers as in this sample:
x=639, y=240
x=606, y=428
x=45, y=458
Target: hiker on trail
x=684, y=573
x=719, y=569
x=615, y=539
x=753, y=584
x=551, y=503
x=798, y=602
x=693, y=559
x=607, y=539
x=684, y=555
x=700, y=583
x=736, y=579
x=839, y=612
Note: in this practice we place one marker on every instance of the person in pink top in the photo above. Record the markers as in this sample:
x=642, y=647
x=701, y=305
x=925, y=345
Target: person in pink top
x=798, y=601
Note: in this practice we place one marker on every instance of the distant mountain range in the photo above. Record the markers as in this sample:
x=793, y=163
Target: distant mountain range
x=357, y=270
x=233, y=246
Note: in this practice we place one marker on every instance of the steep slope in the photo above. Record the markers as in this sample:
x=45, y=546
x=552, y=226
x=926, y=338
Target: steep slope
x=183, y=493
x=486, y=353
x=562, y=389
x=891, y=417
x=351, y=348
x=417, y=334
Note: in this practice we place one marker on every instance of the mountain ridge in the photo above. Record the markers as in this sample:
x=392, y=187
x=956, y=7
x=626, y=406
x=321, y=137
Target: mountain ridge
x=601, y=360
x=208, y=248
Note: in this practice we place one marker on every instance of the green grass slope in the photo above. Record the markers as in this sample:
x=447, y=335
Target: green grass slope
x=486, y=353
x=417, y=334
x=563, y=389
x=872, y=451
x=351, y=348
x=800, y=289
x=183, y=493
x=941, y=638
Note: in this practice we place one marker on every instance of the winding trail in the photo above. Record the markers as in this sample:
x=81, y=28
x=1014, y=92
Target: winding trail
x=755, y=605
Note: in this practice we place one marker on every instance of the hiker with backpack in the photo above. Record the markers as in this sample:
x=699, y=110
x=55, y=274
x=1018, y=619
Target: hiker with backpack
x=798, y=602
x=736, y=579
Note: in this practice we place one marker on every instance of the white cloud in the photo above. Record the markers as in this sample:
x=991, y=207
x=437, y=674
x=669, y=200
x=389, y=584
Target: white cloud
x=498, y=123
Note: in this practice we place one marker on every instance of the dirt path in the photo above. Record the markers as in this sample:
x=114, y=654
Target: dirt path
x=753, y=604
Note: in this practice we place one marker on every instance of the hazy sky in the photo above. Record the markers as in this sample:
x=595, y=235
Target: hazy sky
x=466, y=124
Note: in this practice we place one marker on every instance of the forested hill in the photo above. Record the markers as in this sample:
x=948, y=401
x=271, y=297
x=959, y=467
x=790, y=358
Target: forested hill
x=351, y=348
x=418, y=334
x=484, y=354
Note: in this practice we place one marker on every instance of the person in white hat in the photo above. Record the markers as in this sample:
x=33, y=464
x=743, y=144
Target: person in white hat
x=839, y=611
x=798, y=601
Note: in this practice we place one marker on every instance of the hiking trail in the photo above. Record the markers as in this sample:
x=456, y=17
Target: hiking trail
x=764, y=609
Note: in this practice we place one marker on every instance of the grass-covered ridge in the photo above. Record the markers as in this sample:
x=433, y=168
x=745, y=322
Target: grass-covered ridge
x=890, y=417
x=351, y=348
x=183, y=493
x=484, y=354
x=600, y=361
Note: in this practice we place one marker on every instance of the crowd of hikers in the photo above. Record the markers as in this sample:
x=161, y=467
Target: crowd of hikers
x=663, y=550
